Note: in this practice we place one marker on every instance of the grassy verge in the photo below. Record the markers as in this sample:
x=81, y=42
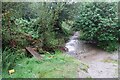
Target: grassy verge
x=52, y=66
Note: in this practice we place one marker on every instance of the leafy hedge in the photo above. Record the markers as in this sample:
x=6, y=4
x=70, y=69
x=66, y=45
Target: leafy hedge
x=42, y=25
x=99, y=22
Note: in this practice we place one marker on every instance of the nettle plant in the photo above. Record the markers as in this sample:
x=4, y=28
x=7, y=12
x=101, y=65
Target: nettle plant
x=98, y=22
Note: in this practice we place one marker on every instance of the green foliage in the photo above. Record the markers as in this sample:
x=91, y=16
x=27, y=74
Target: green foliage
x=109, y=46
x=13, y=37
x=99, y=22
x=24, y=24
x=10, y=56
x=18, y=10
x=38, y=20
x=51, y=16
x=0, y=63
x=52, y=66
x=28, y=27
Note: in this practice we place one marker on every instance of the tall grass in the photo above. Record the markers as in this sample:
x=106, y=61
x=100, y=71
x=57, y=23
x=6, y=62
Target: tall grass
x=59, y=65
x=0, y=57
x=10, y=57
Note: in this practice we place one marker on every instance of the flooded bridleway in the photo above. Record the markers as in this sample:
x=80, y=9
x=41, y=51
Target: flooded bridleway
x=101, y=63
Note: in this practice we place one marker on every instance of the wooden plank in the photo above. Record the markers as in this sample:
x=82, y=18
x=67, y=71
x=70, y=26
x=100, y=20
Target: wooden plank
x=34, y=53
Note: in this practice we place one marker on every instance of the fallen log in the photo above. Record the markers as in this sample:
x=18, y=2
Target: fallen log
x=34, y=53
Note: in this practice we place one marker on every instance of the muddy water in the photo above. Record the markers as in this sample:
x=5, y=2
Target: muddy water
x=75, y=46
x=94, y=57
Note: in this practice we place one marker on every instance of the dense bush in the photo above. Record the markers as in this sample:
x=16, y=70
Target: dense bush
x=98, y=22
x=43, y=24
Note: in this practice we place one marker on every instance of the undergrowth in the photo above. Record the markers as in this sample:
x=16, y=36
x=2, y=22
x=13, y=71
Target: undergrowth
x=58, y=65
x=10, y=56
x=0, y=64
